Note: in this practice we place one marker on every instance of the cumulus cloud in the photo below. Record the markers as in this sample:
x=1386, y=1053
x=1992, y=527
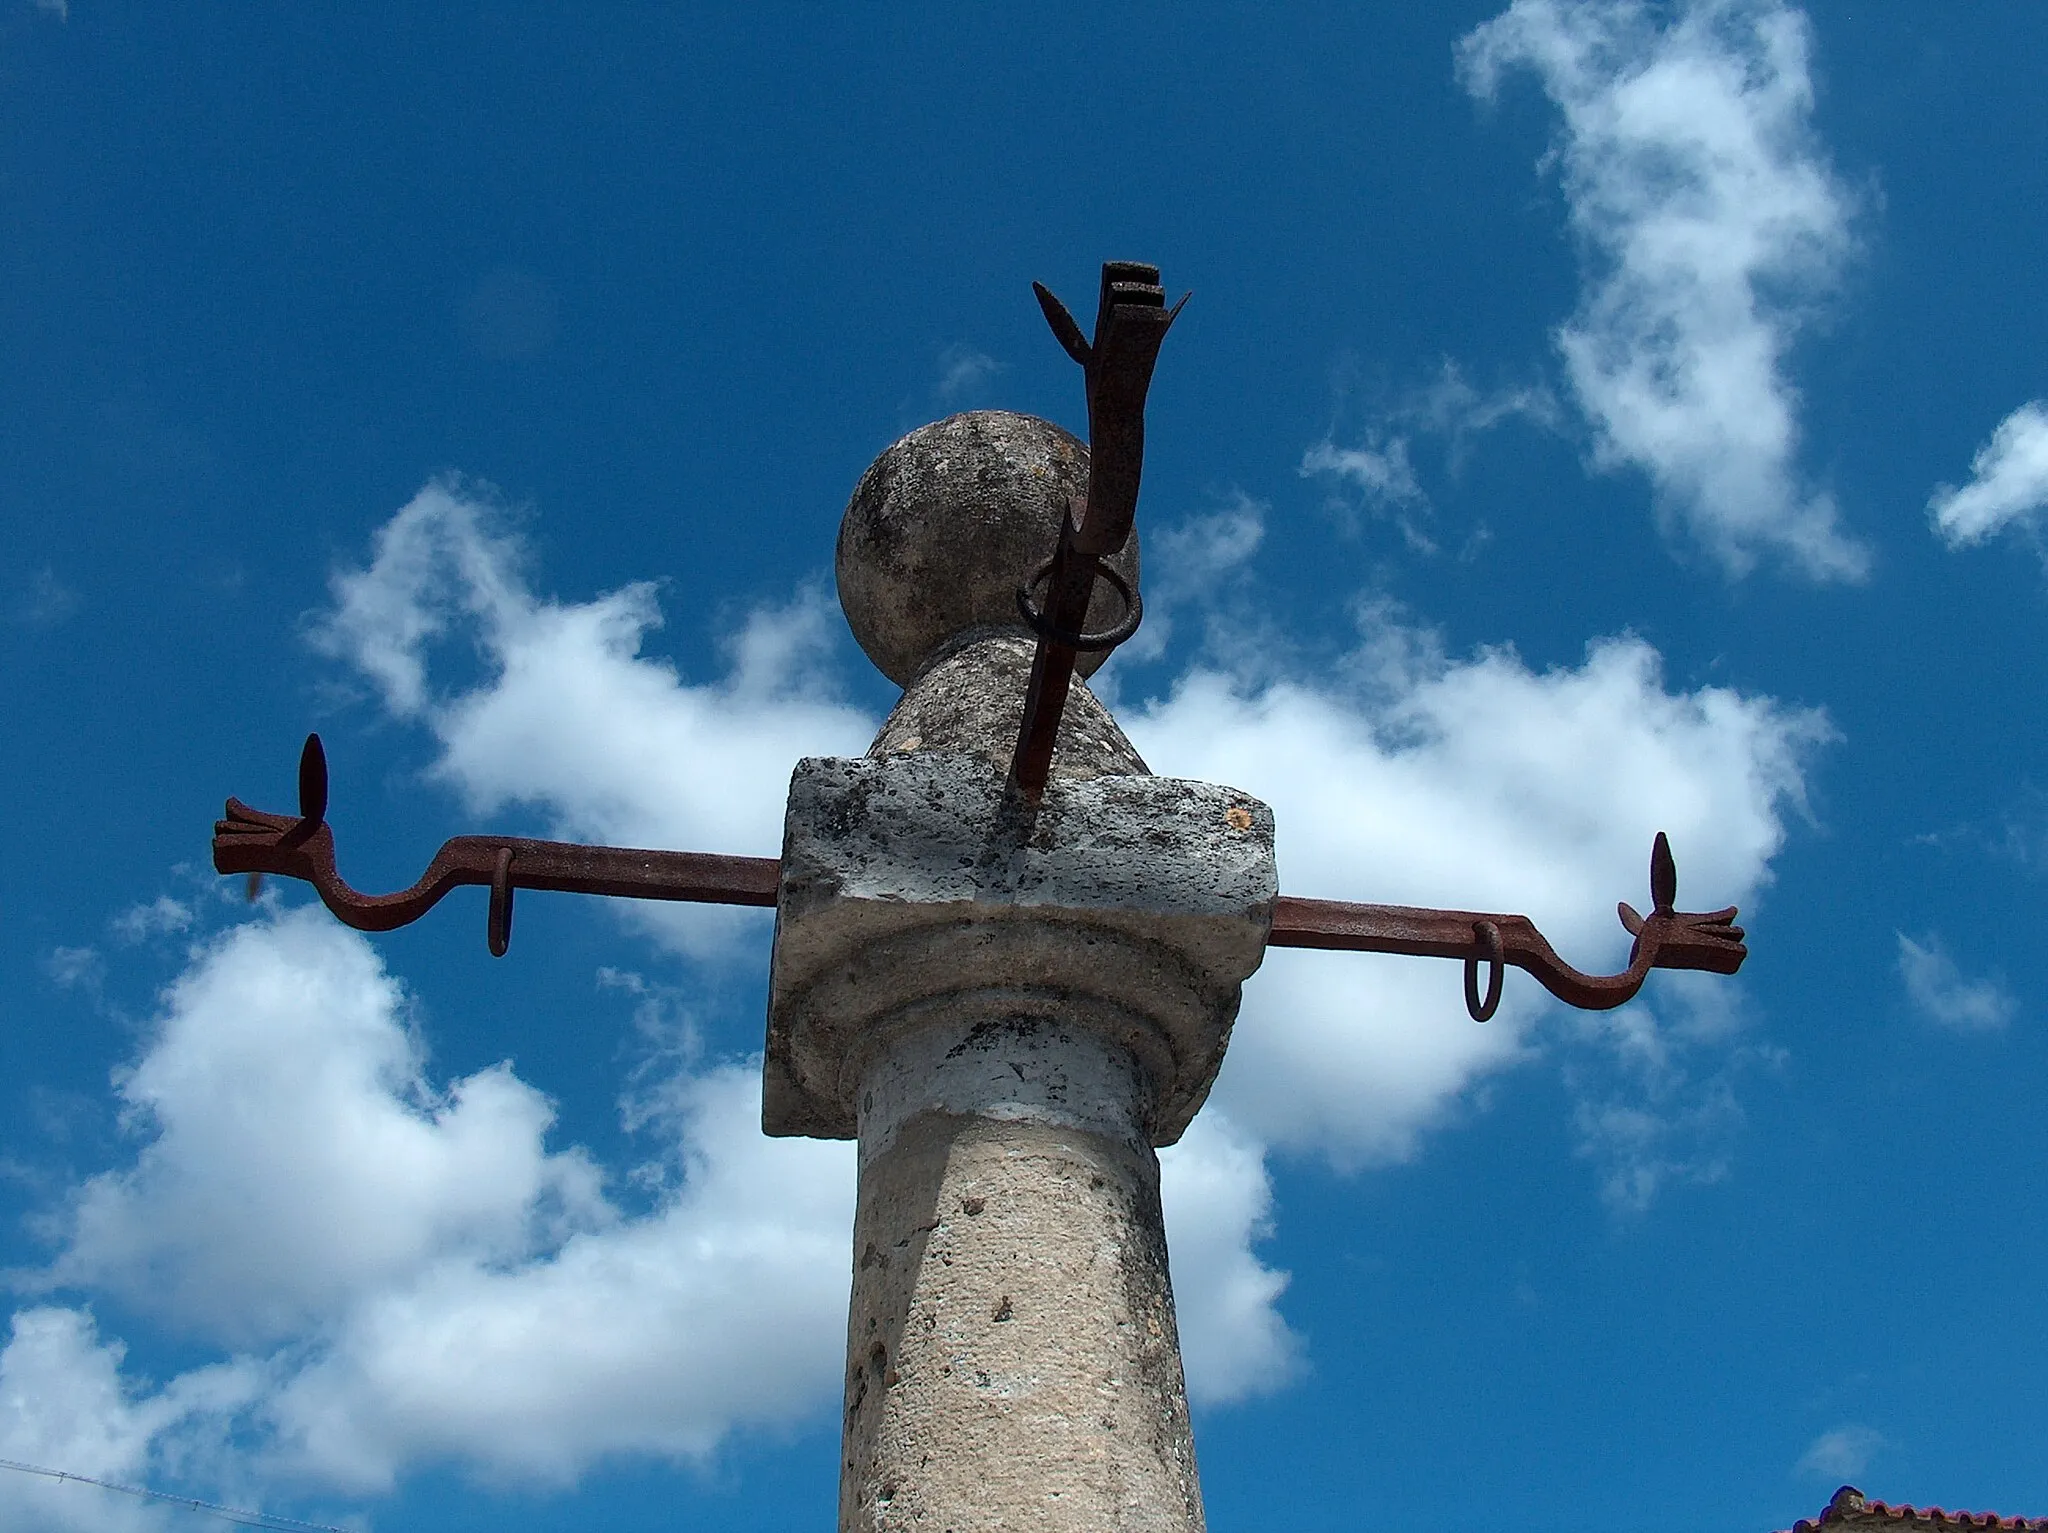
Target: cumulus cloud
x=417, y=1275
x=658, y=1335
x=2008, y=481
x=297, y=1155
x=1410, y=778
x=64, y=1404
x=1711, y=224
x=650, y=759
x=1401, y=775
x=568, y=717
x=1939, y=992
x=1219, y=1205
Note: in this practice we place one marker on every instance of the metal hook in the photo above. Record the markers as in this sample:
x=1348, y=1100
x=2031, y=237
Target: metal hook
x=1488, y=936
x=498, y=925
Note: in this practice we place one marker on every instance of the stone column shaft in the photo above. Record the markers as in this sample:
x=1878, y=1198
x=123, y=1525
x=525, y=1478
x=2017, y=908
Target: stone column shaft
x=1012, y=1361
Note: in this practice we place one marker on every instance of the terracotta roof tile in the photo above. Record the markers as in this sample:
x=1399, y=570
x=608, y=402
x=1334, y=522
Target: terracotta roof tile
x=1849, y=1511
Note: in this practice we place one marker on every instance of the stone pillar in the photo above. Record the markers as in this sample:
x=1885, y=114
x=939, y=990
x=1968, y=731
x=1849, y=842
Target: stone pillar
x=1009, y=1007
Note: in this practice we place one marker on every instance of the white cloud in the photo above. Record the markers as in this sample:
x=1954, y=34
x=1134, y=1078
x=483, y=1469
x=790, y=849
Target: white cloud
x=298, y=1157
x=432, y=1282
x=1653, y=1097
x=569, y=717
x=1401, y=777
x=437, y=1284
x=1406, y=778
x=1450, y=407
x=1939, y=992
x=658, y=1336
x=1205, y=550
x=75, y=968
x=1641, y=1138
x=1381, y=472
x=445, y=570
x=1219, y=1204
x=2008, y=480
x=1840, y=1454
x=161, y=917
x=434, y=1286
x=1711, y=223
x=1201, y=563
x=1448, y=411
x=964, y=374
x=65, y=1405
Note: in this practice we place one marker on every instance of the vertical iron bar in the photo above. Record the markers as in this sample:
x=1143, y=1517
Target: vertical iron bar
x=1131, y=321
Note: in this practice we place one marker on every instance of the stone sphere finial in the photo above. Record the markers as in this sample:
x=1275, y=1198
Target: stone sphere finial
x=946, y=523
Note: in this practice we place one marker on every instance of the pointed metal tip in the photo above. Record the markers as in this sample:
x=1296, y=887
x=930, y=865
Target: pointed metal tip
x=1064, y=329
x=1663, y=875
x=313, y=781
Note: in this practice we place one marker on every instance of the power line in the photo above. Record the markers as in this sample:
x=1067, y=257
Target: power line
x=233, y=1514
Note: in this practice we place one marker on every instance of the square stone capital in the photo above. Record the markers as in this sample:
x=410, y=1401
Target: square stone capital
x=913, y=889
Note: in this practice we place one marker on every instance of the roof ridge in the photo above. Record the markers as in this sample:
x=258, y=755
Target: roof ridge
x=1849, y=1508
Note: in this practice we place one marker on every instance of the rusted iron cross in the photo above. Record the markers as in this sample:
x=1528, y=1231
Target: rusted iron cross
x=1131, y=323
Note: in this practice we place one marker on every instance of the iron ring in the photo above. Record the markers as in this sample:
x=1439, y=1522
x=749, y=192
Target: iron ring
x=498, y=923
x=1108, y=638
x=1488, y=936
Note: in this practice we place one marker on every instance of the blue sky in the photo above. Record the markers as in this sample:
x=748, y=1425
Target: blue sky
x=1590, y=419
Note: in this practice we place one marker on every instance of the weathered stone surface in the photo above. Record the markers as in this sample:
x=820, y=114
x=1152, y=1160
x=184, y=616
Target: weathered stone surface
x=946, y=523
x=1012, y=1358
x=913, y=888
x=969, y=699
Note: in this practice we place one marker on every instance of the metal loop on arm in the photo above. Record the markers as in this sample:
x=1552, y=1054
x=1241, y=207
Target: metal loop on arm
x=1488, y=936
x=498, y=924
x=1108, y=638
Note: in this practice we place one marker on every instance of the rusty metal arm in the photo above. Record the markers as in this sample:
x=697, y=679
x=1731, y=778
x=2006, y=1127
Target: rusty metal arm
x=1130, y=325
x=1665, y=939
x=302, y=846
